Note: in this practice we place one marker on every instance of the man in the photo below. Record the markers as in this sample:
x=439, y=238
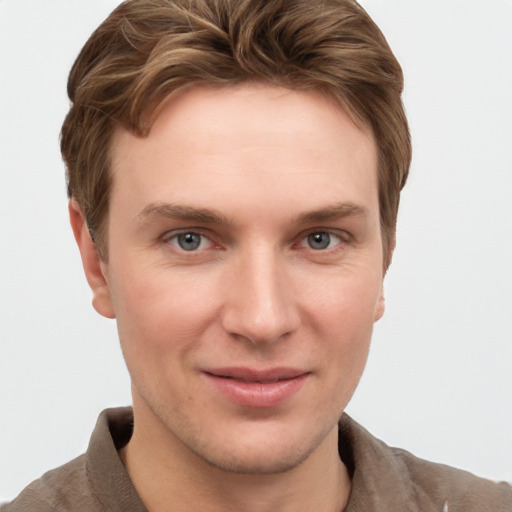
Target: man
x=234, y=172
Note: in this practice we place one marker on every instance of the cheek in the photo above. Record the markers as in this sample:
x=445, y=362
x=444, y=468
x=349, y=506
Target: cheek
x=346, y=355
x=346, y=301
x=158, y=309
x=344, y=314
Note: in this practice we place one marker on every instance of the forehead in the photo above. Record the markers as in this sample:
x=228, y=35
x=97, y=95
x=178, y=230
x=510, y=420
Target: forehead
x=255, y=139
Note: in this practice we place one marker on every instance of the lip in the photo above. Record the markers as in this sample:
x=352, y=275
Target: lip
x=257, y=388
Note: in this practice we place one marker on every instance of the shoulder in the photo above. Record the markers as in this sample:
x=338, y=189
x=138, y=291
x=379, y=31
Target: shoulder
x=390, y=479
x=462, y=491
x=96, y=480
x=64, y=488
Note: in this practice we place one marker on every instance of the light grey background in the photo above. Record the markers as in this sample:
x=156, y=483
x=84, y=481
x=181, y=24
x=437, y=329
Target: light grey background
x=439, y=378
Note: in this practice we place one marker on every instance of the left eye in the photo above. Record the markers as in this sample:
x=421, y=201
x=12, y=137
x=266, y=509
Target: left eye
x=321, y=240
x=190, y=241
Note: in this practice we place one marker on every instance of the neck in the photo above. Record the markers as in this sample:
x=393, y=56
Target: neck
x=167, y=475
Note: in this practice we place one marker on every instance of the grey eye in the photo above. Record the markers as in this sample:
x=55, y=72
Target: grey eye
x=189, y=241
x=319, y=241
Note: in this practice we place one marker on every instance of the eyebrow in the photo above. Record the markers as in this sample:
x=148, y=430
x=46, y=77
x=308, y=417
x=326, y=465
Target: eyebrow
x=210, y=216
x=331, y=213
x=182, y=212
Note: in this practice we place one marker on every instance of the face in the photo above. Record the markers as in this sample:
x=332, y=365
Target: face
x=245, y=272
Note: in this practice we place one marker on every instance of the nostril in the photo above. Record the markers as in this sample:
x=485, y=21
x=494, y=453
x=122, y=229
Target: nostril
x=259, y=305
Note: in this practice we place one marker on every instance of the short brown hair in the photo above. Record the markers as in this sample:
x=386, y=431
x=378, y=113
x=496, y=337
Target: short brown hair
x=148, y=50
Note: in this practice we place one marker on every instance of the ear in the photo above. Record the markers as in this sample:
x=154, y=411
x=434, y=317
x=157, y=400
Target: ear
x=381, y=304
x=94, y=267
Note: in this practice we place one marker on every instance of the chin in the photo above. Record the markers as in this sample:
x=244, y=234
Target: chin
x=260, y=462
x=260, y=449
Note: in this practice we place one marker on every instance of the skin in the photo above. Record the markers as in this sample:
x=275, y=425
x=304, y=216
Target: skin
x=280, y=190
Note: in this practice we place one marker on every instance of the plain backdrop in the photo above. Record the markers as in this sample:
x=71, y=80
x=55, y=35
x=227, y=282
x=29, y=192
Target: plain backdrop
x=439, y=379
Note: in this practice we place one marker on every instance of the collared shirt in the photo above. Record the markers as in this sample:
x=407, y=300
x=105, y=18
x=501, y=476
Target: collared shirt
x=384, y=479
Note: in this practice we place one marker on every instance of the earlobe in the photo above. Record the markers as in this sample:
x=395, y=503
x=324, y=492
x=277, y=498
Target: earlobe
x=381, y=303
x=381, y=306
x=94, y=267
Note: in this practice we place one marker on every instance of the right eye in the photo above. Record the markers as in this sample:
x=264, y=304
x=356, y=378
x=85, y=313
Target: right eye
x=189, y=241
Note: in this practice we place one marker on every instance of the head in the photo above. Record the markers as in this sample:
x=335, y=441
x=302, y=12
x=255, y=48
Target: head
x=235, y=169
x=148, y=51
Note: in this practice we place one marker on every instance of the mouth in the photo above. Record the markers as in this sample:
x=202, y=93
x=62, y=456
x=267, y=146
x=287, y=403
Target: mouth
x=257, y=388
x=257, y=376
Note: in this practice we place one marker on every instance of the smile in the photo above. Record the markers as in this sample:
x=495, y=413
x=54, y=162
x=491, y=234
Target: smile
x=257, y=389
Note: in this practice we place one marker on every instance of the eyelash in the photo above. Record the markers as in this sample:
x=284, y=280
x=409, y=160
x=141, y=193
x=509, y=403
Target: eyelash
x=342, y=239
x=172, y=237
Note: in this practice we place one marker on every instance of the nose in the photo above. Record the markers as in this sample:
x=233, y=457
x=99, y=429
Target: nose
x=261, y=303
